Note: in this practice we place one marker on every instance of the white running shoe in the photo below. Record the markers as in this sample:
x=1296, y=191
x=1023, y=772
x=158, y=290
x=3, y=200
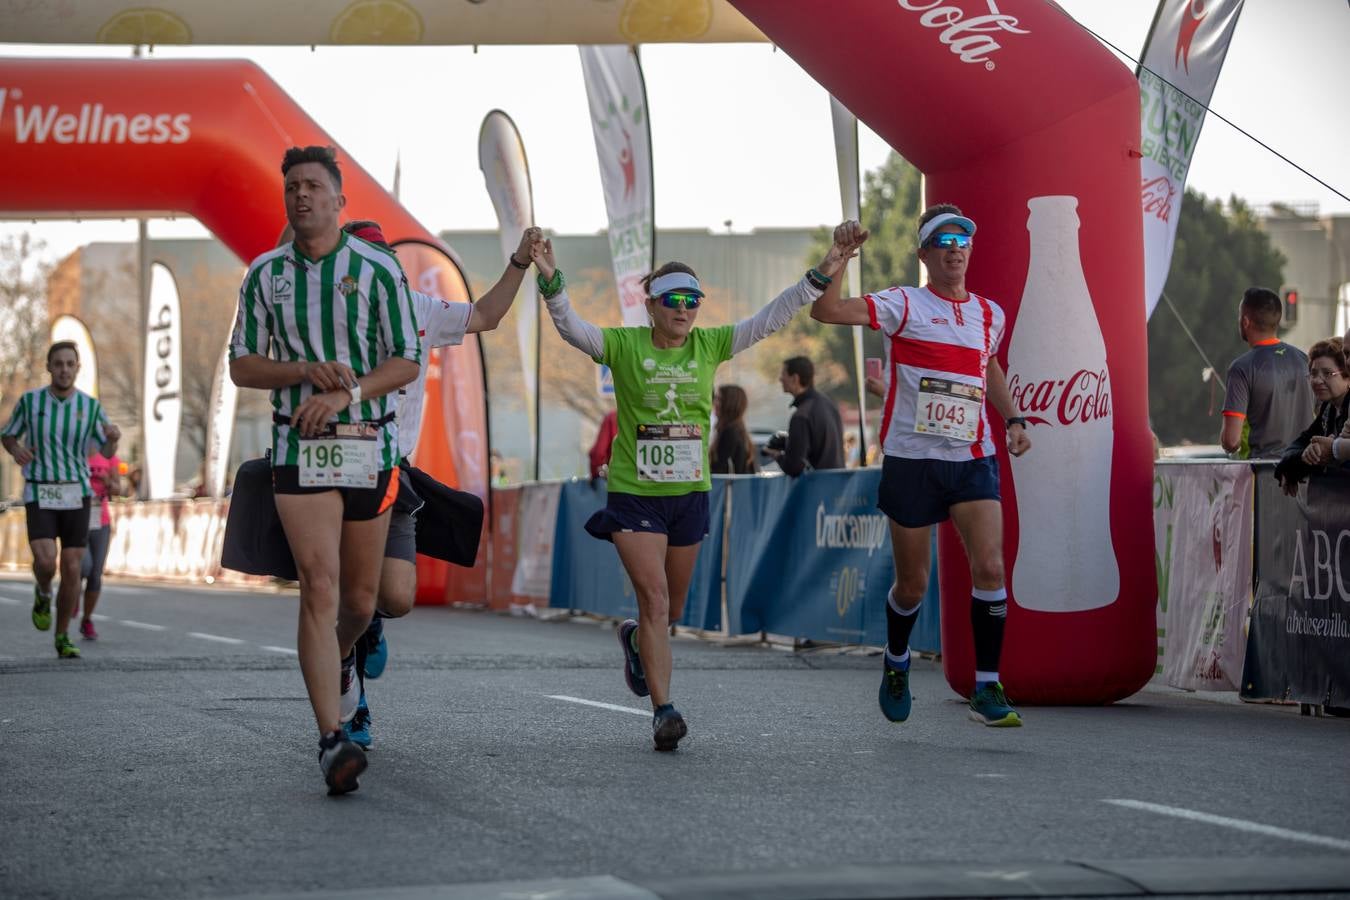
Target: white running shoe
x=351, y=690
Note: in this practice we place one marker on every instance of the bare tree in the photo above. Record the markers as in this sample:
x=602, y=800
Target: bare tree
x=24, y=331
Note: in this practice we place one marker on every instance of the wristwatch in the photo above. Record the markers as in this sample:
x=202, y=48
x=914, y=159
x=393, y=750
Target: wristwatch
x=355, y=391
x=1015, y=420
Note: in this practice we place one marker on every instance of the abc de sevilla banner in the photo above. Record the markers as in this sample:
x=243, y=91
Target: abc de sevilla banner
x=69, y=328
x=1039, y=144
x=623, y=146
x=1299, y=643
x=162, y=392
x=1181, y=61
x=506, y=172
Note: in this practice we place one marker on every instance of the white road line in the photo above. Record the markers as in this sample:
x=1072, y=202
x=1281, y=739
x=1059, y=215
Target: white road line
x=1239, y=824
x=146, y=625
x=100, y=617
x=599, y=705
x=287, y=650
x=10, y=601
x=214, y=637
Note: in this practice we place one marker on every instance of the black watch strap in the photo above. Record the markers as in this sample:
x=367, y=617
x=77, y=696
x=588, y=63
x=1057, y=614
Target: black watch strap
x=1015, y=420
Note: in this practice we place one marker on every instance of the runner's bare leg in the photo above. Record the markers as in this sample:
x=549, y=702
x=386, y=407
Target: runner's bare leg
x=644, y=558
x=68, y=595
x=313, y=526
x=362, y=560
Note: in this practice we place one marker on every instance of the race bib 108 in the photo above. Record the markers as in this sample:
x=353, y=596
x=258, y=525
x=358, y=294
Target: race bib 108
x=670, y=453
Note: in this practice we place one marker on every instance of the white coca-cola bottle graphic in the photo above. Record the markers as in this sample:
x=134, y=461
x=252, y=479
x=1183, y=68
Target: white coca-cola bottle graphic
x=1059, y=382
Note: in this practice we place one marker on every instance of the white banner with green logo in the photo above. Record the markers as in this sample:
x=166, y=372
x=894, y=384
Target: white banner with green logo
x=623, y=146
x=1181, y=62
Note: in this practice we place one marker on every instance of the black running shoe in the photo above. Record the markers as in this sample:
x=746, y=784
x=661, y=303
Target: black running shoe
x=668, y=728
x=341, y=761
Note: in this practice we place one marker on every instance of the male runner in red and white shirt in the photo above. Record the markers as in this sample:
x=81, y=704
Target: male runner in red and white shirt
x=940, y=461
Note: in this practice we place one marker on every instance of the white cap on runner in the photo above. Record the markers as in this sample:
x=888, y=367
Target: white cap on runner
x=675, y=281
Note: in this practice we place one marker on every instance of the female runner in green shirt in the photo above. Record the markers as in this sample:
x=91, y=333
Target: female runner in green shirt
x=657, y=512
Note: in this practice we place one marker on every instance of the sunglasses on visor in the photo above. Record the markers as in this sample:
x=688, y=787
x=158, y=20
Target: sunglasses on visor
x=949, y=240
x=677, y=299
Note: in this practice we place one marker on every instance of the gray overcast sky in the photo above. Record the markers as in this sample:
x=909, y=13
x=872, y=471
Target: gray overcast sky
x=717, y=110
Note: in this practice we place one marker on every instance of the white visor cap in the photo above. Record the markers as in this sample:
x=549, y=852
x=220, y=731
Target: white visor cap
x=675, y=281
x=928, y=230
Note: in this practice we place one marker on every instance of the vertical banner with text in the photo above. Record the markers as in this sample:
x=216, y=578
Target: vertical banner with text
x=162, y=393
x=1181, y=62
x=220, y=425
x=501, y=157
x=623, y=145
x=846, y=160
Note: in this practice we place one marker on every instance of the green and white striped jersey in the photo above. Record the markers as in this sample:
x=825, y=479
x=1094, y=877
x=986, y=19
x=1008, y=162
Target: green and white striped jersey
x=351, y=307
x=59, y=431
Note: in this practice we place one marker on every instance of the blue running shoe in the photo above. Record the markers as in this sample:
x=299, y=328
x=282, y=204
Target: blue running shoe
x=989, y=706
x=894, y=695
x=667, y=728
x=632, y=669
x=377, y=648
x=358, y=729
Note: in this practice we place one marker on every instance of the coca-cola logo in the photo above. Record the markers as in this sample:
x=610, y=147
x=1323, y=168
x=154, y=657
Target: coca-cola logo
x=972, y=38
x=1084, y=396
x=1156, y=194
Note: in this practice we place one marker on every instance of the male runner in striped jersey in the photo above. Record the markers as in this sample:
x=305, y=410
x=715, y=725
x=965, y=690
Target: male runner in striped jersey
x=326, y=324
x=59, y=421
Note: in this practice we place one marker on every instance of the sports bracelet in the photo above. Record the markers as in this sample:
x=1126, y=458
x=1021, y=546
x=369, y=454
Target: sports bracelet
x=1015, y=420
x=818, y=279
x=519, y=265
x=551, y=286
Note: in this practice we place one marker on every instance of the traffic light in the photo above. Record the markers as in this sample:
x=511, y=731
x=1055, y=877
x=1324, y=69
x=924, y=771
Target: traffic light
x=1290, y=307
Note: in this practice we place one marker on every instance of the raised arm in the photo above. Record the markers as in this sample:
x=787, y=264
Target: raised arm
x=571, y=327
x=492, y=307
x=831, y=308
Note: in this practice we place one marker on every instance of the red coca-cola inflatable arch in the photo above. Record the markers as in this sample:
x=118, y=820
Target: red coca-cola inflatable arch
x=205, y=138
x=1020, y=117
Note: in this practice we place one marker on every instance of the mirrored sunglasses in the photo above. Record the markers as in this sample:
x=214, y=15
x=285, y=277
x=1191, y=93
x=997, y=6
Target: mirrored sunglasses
x=676, y=299
x=950, y=240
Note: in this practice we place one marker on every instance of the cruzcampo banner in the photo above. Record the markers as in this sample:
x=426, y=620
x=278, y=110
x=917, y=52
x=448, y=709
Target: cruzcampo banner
x=1298, y=647
x=220, y=425
x=506, y=171
x=69, y=328
x=623, y=146
x=1181, y=62
x=162, y=395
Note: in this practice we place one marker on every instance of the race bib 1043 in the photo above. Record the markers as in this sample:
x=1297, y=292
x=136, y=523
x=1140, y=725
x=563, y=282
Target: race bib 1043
x=345, y=456
x=670, y=453
x=62, y=495
x=949, y=409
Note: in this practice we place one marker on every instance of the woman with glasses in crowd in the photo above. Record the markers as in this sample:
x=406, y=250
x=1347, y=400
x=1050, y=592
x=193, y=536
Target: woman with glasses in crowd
x=1311, y=451
x=657, y=509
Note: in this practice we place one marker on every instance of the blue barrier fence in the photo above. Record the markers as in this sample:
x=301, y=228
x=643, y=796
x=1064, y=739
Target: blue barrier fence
x=804, y=557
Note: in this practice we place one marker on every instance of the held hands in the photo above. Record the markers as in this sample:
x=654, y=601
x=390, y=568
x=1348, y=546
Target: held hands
x=848, y=239
x=318, y=409
x=528, y=238
x=1019, y=441
x=541, y=251
x=328, y=376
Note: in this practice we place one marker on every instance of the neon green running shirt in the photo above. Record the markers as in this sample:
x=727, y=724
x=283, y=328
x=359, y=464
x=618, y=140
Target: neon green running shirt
x=665, y=409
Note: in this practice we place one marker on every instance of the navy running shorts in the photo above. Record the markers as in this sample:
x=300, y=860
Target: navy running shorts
x=683, y=519
x=919, y=492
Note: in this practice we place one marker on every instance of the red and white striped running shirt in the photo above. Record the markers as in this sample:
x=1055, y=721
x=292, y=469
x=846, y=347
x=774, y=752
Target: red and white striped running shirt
x=937, y=353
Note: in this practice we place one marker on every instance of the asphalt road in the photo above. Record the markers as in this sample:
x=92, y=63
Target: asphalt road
x=178, y=759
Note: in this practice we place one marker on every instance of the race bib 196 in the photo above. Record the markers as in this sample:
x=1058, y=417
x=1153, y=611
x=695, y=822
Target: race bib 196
x=949, y=409
x=64, y=495
x=669, y=453
x=345, y=456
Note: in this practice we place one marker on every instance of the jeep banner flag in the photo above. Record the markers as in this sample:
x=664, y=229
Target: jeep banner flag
x=162, y=394
x=1181, y=62
x=623, y=146
x=1299, y=642
x=501, y=157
